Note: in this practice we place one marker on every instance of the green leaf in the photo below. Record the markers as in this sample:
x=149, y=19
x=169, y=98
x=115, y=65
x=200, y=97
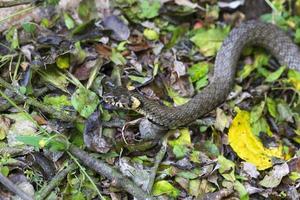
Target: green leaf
x=198, y=70
x=12, y=37
x=53, y=2
x=181, y=143
x=271, y=104
x=57, y=101
x=285, y=113
x=259, y=126
x=241, y=190
x=275, y=75
x=202, y=82
x=117, y=58
x=84, y=101
x=164, y=187
x=256, y=112
x=4, y=170
x=297, y=36
x=69, y=22
x=57, y=144
x=151, y=34
x=180, y=151
x=29, y=27
x=32, y=140
x=226, y=168
x=188, y=174
x=211, y=148
x=209, y=41
x=63, y=61
x=54, y=76
x=178, y=100
x=149, y=8
x=294, y=79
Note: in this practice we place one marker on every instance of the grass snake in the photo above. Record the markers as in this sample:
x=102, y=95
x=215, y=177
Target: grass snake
x=252, y=32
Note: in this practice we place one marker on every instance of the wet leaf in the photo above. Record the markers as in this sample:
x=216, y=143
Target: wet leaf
x=209, y=41
x=84, y=101
x=247, y=146
x=164, y=187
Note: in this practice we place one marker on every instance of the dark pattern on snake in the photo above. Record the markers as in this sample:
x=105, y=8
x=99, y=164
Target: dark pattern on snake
x=257, y=33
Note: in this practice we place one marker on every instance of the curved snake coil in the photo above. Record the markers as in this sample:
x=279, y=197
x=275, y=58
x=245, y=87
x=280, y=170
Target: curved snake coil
x=258, y=33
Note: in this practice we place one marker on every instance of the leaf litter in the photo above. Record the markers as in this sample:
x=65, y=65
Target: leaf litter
x=165, y=49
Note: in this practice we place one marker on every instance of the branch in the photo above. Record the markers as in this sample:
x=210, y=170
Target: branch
x=13, y=188
x=109, y=172
x=57, y=179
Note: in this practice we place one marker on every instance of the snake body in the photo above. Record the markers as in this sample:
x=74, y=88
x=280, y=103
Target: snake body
x=256, y=33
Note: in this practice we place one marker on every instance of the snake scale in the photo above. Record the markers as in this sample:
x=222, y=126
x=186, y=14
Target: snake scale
x=252, y=32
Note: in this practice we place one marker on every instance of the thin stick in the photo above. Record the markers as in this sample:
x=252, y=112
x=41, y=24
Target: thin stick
x=57, y=179
x=109, y=172
x=13, y=188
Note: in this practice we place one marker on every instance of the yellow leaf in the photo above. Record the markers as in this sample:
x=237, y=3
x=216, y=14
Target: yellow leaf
x=247, y=145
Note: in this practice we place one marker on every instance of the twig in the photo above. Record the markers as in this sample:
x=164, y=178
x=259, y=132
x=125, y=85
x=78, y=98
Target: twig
x=13, y=188
x=109, y=172
x=158, y=158
x=33, y=102
x=6, y=4
x=57, y=179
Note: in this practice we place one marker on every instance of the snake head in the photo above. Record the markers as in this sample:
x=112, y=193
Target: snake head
x=121, y=98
